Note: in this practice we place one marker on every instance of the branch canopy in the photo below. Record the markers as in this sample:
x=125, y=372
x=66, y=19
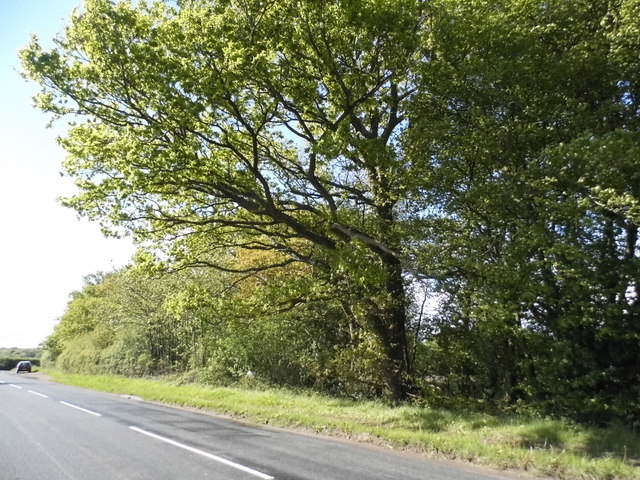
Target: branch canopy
x=248, y=118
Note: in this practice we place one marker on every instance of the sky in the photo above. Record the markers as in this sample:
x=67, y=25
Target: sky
x=45, y=250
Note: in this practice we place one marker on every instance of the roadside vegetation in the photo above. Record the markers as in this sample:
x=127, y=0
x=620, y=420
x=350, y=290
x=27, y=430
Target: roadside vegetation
x=541, y=446
x=10, y=357
x=25, y=353
x=431, y=205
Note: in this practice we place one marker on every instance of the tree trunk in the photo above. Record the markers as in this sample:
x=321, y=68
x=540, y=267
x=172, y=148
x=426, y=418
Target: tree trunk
x=390, y=327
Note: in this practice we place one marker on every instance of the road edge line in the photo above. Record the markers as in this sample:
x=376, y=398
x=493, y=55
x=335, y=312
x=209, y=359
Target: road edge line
x=211, y=456
x=95, y=414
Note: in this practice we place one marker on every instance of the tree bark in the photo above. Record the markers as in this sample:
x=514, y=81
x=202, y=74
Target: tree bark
x=390, y=327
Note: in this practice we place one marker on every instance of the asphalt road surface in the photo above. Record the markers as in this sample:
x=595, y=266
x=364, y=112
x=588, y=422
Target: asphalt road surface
x=50, y=431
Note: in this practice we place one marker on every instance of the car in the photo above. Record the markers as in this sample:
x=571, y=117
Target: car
x=24, y=366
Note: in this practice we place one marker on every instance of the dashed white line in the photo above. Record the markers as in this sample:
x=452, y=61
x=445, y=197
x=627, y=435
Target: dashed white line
x=205, y=454
x=81, y=409
x=38, y=394
x=210, y=456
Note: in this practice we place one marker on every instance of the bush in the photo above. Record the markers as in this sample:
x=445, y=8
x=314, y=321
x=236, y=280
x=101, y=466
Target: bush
x=10, y=363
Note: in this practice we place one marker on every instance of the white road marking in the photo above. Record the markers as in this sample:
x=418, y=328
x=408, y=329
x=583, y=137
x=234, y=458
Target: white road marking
x=81, y=409
x=38, y=394
x=205, y=454
x=210, y=456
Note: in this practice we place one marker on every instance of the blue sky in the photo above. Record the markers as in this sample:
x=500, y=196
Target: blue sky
x=45, y=250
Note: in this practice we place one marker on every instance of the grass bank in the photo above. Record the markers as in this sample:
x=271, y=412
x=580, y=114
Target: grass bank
x=542, y=446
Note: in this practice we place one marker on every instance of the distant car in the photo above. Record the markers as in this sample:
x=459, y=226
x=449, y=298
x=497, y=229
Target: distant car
x=23, y=367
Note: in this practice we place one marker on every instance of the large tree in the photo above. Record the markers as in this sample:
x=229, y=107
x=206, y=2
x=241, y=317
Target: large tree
x=533, y=150
x=226, y=124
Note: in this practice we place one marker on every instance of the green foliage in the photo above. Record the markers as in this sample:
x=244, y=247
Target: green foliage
x=542, y=446
x=10, y=363
x=9, y=357
x=303, y=168
x=211, y=126
x=531, y=146
x=21, y=353
x=279, y=328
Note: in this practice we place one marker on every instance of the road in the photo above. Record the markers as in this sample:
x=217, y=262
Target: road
x=52, y=431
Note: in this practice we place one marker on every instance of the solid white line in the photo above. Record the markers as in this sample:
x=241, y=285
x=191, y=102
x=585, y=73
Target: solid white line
x=15, y=386
x=81, y=409
x=38, y=394
x=204, y=454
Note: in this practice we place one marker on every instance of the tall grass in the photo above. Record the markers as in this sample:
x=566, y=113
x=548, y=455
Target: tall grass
x=556, y=448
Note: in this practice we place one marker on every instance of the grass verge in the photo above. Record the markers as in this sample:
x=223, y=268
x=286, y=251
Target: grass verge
x=542, y=446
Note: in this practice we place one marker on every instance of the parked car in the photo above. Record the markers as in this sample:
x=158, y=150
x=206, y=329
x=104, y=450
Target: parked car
x=24, y=366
